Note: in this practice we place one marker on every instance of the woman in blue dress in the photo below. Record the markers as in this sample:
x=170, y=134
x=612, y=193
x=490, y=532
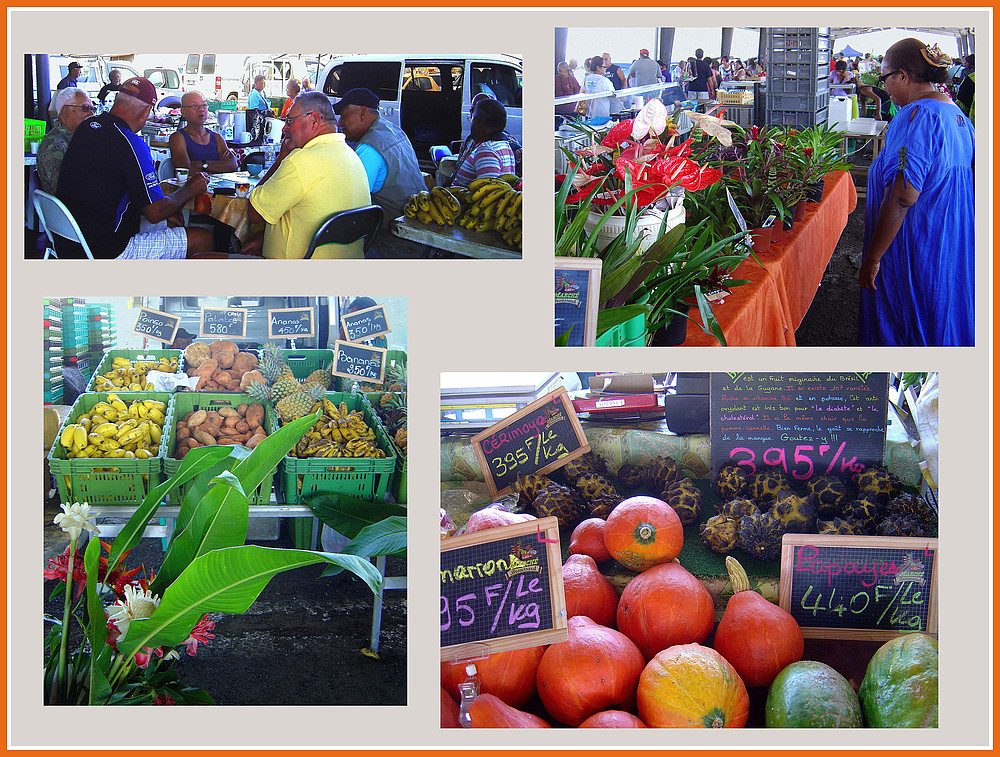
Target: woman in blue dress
x=918, y=273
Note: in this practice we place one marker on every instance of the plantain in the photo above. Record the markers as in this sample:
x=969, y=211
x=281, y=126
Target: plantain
x=424, y=218
x=424, y=201
x=68, y=435
x=435, y=213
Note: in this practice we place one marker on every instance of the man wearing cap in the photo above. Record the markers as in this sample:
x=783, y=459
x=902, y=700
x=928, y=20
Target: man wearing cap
x=645, y=70
x=69, y=80
x=389, y=161
x=109, y=184
x=315, y=175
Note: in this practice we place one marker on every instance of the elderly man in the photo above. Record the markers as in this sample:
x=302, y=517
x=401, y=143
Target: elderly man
x=73, y=107
x=257, y=101
x=315, y=175
x=109, y=184
x=114, y=84
x=70, y=79
x=389, y=161
x=195, y=147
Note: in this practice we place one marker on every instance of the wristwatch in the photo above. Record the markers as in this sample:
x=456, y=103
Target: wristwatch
x=204, y=165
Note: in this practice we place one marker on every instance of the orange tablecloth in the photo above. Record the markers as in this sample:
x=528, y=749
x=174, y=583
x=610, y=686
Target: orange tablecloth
x=231, y=210
x=766, y=312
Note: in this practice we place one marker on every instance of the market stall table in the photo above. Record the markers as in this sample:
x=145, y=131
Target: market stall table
x=474, y=244
x=229, y=209
x=767, y=311
x=876, y=135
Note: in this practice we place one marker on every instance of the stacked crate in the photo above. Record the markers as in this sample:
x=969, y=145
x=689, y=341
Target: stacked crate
x=84, y=345
x=100, y=327
x=52, y=381
x=798, y=76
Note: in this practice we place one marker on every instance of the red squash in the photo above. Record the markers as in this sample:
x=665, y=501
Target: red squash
x=494, y=516
x=595, y=669
x=509, y=676
x=588, y=592
x=449, y=711
x=664, y=606
x=486, y=711
x=612, y=719
x=757, y=637
x=588, y=539
x=642, y=532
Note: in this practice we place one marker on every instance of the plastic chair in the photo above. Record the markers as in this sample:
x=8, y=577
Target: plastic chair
x=440, y=151
x=56, y=219
x=348, y=226
x=166, y=170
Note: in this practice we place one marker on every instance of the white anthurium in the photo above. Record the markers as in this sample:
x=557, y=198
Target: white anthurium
x=713, y=126
x=651, y=121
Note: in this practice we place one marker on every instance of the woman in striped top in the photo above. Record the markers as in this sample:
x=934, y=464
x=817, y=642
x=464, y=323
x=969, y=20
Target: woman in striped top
x=488, y=153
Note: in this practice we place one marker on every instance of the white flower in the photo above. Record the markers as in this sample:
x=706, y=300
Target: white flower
x=138, y=604
x=651, y=121
x=173, y=654
x=74, y=519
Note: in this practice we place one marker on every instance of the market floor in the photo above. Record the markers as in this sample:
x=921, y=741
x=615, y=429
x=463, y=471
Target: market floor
x=300, y=643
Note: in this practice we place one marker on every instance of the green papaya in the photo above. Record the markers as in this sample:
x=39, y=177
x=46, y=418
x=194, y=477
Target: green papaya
x=809, y=694
x=900, y=687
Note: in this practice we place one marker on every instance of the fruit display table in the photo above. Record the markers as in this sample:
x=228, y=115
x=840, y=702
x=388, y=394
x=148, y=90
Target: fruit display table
x=474, y=244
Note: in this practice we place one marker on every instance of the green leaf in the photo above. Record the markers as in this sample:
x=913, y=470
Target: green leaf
x=350, y=515
x=613, y=282
x=387, y=537
x=608, y=319
x=226, y=580
x=563, y=339
x=97, y=628
x=650, y=261
x=271, y=451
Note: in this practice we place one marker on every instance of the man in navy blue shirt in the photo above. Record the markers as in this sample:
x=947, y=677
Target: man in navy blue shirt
x=69, y=80
x=109, y=184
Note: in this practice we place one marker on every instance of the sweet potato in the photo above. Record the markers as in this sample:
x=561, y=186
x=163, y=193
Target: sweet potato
x=228, y=412
x=184, y=433
x=225, y=358
x=204, y=438
x=251, y=377
x=211, y=386
x=242, y=426
x=186, y=417
x=213, y=417
x=197, y=418
x=207, y=368
x=242, y=410
x=227, y=431
x=223, y=345
x=222, y=377
x=238, y=438
x=245, y=361
x=195, y=354
x=256, y=439
x=209, y=428
x=230, y=421
x=233, y=386
x=255, y=415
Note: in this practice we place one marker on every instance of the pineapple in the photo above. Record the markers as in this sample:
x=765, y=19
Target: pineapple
x=260, y=393
x=284, y=387
x=318, y=377
x=298, y=404
x=400, y=439
x=273, y=366
x=395, y=377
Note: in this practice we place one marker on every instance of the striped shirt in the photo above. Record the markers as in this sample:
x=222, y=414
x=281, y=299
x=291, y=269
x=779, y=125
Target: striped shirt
x=491, y=158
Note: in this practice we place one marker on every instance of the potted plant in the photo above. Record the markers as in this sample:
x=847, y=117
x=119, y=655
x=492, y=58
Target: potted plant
x=818, y=148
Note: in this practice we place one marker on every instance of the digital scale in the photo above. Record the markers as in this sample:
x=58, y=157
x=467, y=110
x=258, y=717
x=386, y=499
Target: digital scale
x=473, y=401
x=622, y=407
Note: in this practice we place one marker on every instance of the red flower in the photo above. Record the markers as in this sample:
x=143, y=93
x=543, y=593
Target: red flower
x=142, y=658
x=200, y=633
x=164, y=700
x=58, y=567
x=113, y=634
x=620, y=132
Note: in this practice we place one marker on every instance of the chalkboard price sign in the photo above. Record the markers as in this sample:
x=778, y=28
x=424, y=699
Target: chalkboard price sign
x=806, y=424
x=539, y=438
x=358, y=361
x=502, y=589
x=577, y=290
x=859, y=587
x=223, y=322
x=288, y=323
x=156, y=325
x=365, y=324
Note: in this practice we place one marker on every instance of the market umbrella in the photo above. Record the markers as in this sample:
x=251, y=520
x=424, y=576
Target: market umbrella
x=850, y=52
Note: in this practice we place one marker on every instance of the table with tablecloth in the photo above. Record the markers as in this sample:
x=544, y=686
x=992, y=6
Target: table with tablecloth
x=229, y=209
x=766, y=312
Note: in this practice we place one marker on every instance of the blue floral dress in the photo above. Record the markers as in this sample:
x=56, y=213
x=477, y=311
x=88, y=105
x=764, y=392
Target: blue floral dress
x=925, y=287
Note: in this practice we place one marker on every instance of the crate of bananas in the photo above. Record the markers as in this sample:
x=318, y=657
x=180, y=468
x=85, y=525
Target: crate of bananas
x=109, y=449
x=347, y=451
x=489, y=204
x=126, y=370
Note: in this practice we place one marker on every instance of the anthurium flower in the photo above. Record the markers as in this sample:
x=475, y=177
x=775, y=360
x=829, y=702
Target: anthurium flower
x=199, y=634
x=713, y=126
x=652, y=120
x=75, y=519
x=58, y=567
x=619, y=133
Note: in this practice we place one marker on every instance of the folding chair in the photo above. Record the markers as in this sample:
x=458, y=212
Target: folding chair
x=348, y=226
x=56, y=219
x=166, y=170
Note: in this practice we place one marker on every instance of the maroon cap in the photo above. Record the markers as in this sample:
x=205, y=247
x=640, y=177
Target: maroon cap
x=644, y=51
x=141, y=89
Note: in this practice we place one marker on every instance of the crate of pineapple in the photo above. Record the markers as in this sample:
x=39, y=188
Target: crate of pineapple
x=109, y=449
x=225, y=416
x=391, y=410
x=346, y=452
x=121, y=370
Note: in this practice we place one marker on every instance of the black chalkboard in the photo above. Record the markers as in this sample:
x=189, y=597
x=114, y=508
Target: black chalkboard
x=539, y=438
x=156, y=325
x=289, y=322
x=859, y=587
x=365, y=324
x=806, y=424
x=502, y=589
x=223, y=322
x=359, y=361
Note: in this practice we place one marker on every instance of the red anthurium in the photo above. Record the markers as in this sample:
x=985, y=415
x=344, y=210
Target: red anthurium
x=619, y=133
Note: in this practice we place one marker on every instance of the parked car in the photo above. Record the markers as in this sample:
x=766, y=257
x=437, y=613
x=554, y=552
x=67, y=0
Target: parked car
x=92, y=77
x=168, y=86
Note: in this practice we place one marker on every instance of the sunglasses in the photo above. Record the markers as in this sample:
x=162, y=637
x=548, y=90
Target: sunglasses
x=883, y=77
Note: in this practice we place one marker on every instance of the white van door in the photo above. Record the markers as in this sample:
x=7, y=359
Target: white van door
x=384, y=78
x=503, y=82
x=199, y=74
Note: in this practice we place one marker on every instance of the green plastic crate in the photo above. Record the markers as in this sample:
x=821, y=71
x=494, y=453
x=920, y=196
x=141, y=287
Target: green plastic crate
x=106, y=481
x=34, y=131
x=186, y=402
x=304, y=362
x=398, y=483
x=104, y=366
x=364, y=477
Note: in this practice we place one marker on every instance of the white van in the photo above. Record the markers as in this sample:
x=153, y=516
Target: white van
x=92, y=77
x=277, y=71
x=429, y=96
x=216, y=78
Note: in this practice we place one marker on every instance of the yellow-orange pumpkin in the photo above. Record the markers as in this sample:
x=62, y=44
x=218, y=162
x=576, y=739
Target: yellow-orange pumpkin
x=691, y=686
x=588, y=592
x=588, y=539
x=613, y=719
x=642, y=532
x=449, y=711
x=509, y=676
x=664, y=606
x=486, y=711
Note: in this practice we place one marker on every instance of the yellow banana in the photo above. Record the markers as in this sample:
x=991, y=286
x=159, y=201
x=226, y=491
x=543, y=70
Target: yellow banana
x=108, y=445
x=116, y=453
x=424, y=201
x=68, y=436
x=156, y=416
x=435, y=213
x=79, y=437
x=511, y=178
x=477, y=184
x=132, y=436
x=424, y=217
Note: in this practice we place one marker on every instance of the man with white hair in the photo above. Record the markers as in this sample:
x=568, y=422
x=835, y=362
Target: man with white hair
x=72, y=106
x=109, y=184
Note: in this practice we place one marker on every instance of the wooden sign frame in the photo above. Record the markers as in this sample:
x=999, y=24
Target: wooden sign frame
x=336, y=348
x=344, y=318
x=312, y=323
x=527, y=410
x=548, y=532
x=790, y=541
x=241, y=335
x=593, y=266
x=173, y=334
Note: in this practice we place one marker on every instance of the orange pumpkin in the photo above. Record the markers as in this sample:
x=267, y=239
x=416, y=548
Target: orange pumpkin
x=642, y=532
x=757, y=637
x=588, y=539
x=664, y=606
x=613, y=719
x=588, y=592
x=486, y=711
x=449, y=711
x=509, y=676
x=494, y=516
x=595, y=669
x=691, y=686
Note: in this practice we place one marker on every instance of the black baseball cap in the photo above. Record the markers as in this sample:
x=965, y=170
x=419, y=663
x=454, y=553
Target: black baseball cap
x=359, y=96
x=73, y=65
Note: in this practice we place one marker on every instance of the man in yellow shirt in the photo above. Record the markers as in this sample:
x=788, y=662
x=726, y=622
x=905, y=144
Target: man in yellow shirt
x=315, y=175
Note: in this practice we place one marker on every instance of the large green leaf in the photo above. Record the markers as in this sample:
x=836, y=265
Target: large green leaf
x=199, y=484
x=97, y=628
x=226, y=580
x=650, y=261
x=613, y=282
x=349, y=515
x=387, y=537
x=608, y=319
x=271, y=451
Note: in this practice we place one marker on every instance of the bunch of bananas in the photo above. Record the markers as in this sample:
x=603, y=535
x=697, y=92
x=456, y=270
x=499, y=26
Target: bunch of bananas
x=338, y=433
x=493, y=204
x=435, y=206
x=114, y=429
x=129, y=376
